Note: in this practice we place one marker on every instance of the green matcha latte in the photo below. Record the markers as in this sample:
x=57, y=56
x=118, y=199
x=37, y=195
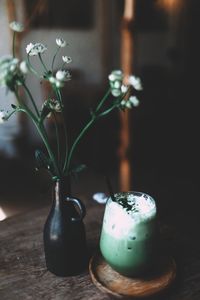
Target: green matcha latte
x=128, y=233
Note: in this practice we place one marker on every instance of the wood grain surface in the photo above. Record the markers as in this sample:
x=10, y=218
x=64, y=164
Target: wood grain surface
x=23, y=273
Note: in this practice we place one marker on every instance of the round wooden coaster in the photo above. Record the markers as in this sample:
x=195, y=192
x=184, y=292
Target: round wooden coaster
x=111, y=282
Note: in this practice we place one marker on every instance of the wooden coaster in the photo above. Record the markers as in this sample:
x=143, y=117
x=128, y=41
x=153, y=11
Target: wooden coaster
x=111, y=282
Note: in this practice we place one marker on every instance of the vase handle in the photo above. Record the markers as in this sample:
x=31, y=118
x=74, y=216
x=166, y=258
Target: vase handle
x=81, y=206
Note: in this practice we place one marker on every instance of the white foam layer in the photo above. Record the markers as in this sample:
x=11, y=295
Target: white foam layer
x=118, y=221
x=143, y=206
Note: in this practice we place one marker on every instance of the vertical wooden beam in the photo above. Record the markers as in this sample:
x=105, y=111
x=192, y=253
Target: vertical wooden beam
x=127, y=68
x=11, y=10
x=12, y=16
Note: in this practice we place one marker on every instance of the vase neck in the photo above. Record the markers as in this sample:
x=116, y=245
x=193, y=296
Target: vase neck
x=61, y=189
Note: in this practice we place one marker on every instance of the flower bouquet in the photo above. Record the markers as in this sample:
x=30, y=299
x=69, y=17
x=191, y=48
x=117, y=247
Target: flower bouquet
x=57, y=159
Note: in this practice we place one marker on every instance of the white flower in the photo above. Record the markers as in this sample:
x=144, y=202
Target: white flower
x=117, y=84
x=12, y=65
x=40, y=48
x=29, y=47
x=62, y=75
x=49, y=115
x=35, y=49
x=123, y=102
x=134, y=101
x=2, y=117
x=13, y=68
x=135, y=82
x=55, y=105
x=23, y=67
x=116, y=92
x=2, y=80
x=60, y=42
x=15, y=60
x=59, y=84
x=124, y=88
x=16, y=26
x=116, y=75
x=128, y=105
x=67, y=59
x=116, y=78
x=9, y=72
x=55, y=81
x=52, y=79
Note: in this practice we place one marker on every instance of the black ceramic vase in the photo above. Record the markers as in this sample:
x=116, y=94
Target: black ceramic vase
x=64, y=234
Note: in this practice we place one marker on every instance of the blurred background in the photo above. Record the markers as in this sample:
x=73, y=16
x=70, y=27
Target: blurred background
x=153, y=148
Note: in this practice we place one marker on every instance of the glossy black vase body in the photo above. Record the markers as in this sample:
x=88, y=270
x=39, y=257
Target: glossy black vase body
x=64, y=234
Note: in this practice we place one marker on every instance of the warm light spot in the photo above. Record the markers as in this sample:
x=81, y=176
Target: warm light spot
x=129, y=7
x=2, y=215
x=169, y=4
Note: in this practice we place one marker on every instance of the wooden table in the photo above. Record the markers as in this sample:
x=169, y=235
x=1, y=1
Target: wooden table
x=23, y=273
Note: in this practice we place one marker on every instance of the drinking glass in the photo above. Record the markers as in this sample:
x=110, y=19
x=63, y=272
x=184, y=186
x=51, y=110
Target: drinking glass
x=128, y=236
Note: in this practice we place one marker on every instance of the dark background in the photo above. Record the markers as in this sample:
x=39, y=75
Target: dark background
x=164, y=151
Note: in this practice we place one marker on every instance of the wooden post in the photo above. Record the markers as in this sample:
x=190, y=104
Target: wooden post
x=127, y=68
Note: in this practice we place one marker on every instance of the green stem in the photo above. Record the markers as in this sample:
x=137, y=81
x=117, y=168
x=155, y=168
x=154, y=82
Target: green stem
x=116, y=104
x=57, y=136
x=31, y=98
x=31, y=68
x=103, y=100
x=41, y=60
x=41, y=132
x=10, y=114
x=58, y=94
x=62, y=67
x=43, y=135
x=65, y=129
x=83, y=131
x=54, y=57
x=104, y=113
